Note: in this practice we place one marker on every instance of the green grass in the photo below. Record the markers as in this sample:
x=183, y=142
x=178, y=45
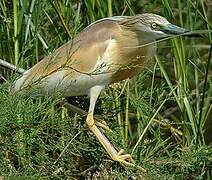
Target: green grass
x=166, y=110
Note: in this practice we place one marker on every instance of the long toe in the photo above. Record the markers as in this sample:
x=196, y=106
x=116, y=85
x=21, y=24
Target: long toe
x=127, y=163
x=103, y=125
x=122, y=156
x=127, y=160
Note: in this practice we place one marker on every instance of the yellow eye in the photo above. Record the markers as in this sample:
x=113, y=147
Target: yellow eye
x=154, y=25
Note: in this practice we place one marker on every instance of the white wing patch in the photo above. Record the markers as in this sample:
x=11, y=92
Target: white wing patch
x=80, y=85
x=105, y=62
x=99, y=75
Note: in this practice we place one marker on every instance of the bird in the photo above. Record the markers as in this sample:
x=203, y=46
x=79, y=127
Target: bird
x=107, y=51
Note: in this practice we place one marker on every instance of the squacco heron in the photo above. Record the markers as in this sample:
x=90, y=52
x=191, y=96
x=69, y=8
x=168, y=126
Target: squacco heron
x=107, y=51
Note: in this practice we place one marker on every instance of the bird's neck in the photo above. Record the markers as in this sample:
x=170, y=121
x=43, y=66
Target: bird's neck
x=132, y=44
x=130, y=56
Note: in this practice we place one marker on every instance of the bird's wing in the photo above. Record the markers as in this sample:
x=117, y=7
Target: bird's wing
x=79, y=55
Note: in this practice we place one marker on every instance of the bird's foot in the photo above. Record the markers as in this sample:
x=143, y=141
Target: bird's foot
x=126, y=159
x=121, y=157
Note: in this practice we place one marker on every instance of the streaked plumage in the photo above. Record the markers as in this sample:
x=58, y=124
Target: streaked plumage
x=107, y=51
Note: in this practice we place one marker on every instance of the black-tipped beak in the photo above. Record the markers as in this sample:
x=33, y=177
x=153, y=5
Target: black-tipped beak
x=194, y=35
x=171, y=29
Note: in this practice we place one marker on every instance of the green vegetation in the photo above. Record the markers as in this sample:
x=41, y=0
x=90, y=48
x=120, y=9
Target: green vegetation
x=163, y=116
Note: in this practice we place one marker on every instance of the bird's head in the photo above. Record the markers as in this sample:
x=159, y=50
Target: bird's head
x=153, y=27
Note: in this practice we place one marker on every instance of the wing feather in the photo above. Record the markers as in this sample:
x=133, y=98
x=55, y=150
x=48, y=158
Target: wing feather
x=77, y=56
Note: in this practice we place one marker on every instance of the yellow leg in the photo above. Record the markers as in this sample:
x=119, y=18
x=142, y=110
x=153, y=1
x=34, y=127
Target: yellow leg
x=116, y=156
x=99, y=122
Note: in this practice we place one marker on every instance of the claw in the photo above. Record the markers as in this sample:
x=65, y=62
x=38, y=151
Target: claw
x=133, y=165
x=120, y=157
